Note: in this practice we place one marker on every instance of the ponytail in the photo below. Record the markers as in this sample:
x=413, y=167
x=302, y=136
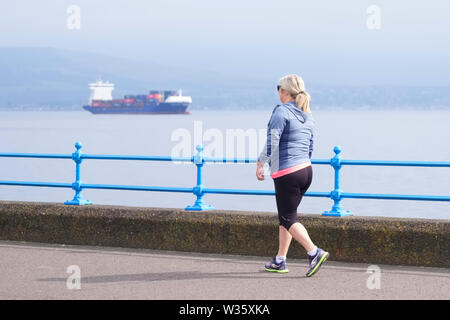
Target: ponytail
x=302, y=100
x=294, y=84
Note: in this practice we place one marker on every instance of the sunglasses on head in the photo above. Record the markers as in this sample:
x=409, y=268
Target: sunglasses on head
x=278, y=88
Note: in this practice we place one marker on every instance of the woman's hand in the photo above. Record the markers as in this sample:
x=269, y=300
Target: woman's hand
x=259, y=171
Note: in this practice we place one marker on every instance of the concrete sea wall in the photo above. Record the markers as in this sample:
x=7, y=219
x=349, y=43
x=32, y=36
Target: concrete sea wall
x=374, y=240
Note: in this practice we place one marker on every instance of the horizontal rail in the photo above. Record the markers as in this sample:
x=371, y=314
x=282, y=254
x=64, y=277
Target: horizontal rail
x=136, y=157
x=396, y=163
x=36, y=184
x=227, y=191
x=136, y=188
x=442, y=164
x=35, y=155
x=260, y=192
x=394, y=196
x=199, y=190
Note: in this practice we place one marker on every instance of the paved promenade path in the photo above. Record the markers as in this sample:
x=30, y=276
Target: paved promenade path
x=40, y=271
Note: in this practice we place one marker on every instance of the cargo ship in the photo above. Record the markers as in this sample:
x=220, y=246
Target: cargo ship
x=154, y=102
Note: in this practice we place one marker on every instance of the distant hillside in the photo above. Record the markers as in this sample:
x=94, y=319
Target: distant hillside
x=51, y=76
x=55, y=77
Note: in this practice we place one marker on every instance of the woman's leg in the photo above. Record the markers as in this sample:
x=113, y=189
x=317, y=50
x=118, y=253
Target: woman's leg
x=303, y=180
x=289, y=191
x=284, y=239
x=299, y=233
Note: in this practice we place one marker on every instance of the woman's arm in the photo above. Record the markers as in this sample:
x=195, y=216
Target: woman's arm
x=275, y=128
x=259, y=170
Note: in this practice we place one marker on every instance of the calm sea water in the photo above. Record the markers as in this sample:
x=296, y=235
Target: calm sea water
x=366, y=134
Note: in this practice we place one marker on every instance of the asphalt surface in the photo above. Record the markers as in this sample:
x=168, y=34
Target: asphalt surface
x=43, y=271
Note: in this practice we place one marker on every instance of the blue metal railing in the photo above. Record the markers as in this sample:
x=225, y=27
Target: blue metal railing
x=199, y=190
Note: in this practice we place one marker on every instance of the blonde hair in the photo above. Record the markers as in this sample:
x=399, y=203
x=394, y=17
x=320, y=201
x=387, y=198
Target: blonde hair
x=294, y=84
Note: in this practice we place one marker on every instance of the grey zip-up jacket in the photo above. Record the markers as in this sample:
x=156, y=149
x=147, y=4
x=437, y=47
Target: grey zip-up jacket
x=290, y=134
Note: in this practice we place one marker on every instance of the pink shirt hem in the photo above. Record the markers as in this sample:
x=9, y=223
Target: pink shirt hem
x=286, y=171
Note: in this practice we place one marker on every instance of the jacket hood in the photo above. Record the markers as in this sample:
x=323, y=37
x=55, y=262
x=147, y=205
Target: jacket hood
x=299, y=114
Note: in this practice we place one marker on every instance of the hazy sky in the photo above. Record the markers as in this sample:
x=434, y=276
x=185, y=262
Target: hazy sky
x=324, y=41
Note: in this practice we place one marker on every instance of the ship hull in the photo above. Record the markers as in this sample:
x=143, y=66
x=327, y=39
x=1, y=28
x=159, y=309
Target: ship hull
x=160, y=108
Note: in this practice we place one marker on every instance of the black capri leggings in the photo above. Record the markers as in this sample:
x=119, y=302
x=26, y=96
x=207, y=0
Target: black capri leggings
x=289, y=191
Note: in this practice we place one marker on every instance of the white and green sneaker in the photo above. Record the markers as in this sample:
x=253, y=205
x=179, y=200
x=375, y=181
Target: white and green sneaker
x=273, y=266
x=316, y=261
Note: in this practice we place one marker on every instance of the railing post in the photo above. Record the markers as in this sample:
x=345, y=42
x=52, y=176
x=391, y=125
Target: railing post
x=337, y=210
x=199, y=204
x=78, y=198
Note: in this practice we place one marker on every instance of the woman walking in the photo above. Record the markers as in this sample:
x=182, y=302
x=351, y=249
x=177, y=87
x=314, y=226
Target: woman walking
x=288, y=152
